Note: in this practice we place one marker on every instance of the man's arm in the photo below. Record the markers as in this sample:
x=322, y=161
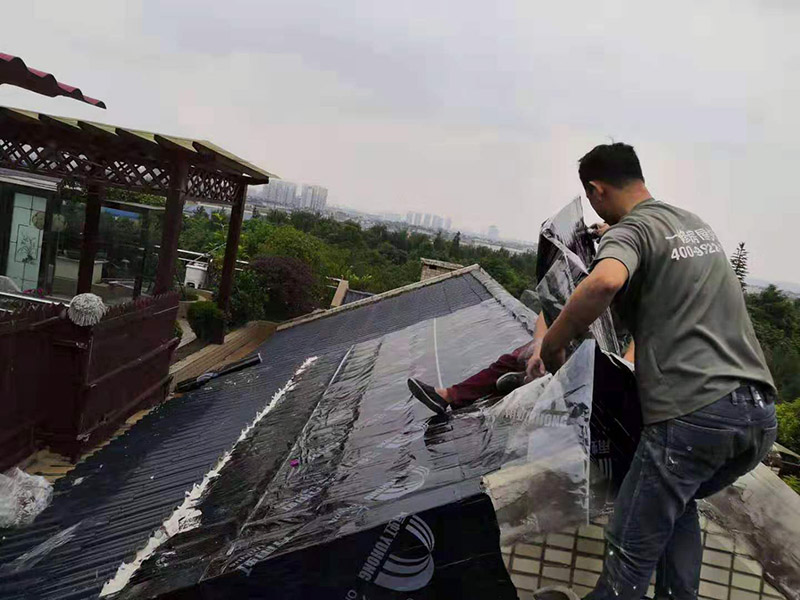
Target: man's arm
x=535, y=366
x=593, y=296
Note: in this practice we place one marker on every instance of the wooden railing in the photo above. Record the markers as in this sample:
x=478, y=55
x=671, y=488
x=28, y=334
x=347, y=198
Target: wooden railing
x=68, y=387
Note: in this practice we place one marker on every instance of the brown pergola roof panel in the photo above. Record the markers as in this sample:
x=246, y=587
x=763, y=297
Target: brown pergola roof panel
x=14, y=71
x=98, y=153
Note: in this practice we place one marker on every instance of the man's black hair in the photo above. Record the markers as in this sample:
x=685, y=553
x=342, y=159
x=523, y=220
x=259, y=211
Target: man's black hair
x=615, y=164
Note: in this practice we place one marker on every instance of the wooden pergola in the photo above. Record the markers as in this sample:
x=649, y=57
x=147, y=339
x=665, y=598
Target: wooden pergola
x=96, y=156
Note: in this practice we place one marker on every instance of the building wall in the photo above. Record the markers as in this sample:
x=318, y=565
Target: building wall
x=574, y=557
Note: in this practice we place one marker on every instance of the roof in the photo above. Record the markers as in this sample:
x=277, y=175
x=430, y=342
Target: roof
x=14, y=71
x=120, y=156
x=106, y=509
x=355, y=295
x=440, y=264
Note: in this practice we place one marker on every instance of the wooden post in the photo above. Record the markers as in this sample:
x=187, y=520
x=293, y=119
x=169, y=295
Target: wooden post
x=231, y=249
x=168, y=255
x=91, y=226
x=144, y=240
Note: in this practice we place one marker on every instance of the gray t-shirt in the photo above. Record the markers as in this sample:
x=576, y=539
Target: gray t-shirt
x=685, y=308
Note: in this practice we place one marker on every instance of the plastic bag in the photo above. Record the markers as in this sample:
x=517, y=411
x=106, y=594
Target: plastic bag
x=22, y=497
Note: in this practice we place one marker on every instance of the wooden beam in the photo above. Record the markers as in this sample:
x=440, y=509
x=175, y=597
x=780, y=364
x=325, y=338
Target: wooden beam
x=144, y=241
x=173, y=217
x=231, y=249
x=91, y=226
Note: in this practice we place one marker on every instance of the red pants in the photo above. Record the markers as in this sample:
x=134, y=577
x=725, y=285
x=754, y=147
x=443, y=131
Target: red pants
x=483, y=382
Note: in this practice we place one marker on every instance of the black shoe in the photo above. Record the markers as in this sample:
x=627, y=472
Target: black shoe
x=428, y=396
x=509, y=382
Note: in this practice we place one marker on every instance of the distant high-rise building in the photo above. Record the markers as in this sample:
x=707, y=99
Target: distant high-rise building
x=417, y=219
x=410, y=218
x=286, y=193
x=494, y=232
x=426, y=220
x=437, y=222
x=313, y=198
x=448, y=223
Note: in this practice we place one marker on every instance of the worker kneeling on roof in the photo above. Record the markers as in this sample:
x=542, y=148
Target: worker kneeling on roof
x=706, y=393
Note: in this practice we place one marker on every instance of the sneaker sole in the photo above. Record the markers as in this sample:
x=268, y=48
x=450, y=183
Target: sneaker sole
x=425, y=399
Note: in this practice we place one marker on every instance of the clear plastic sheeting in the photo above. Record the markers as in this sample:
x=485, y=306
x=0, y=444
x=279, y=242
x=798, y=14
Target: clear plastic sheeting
x=373, y=479
x=22, y=497
x=543, y=483
x=566, y=252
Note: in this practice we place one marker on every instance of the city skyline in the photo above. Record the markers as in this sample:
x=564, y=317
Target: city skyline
x=482, y=114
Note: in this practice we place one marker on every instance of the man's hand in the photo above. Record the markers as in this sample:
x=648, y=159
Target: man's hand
x=535, y=368
x=587, y=303
x=598, y=229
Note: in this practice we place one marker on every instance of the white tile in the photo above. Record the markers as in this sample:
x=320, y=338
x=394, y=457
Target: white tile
x=712, y=590
x=718, y=559
x=746, y=582
x=561, y=541
x=525, y=565
x=591, y=547
x=558, y=556
x=719, y=542
x=585, y=577
x=771, y=591
x=747, y=565
x=557, y=573
x=742, y=595
x=715, y=575
x=592, y=531
x=525, y=582
x=528, y=550
x=588, y=563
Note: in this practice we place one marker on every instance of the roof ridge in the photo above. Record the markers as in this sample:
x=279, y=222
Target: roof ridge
x=521, y=313
x=378, y=297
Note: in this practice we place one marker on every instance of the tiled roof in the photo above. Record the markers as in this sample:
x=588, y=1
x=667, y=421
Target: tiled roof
x=108, y=506
x=13, y=70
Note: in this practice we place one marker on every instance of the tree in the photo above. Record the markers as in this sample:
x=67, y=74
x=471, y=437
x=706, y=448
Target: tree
x=287, y=284
x=739, y=263
x=789, y=424
x=455, y=246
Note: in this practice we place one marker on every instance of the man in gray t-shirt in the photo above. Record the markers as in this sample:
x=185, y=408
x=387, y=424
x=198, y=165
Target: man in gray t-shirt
x=706, y=392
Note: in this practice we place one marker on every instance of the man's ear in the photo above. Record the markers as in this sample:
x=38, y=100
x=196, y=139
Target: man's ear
x=597, y=188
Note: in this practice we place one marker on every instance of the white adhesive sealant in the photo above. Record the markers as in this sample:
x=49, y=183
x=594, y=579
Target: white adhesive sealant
x=186, y=516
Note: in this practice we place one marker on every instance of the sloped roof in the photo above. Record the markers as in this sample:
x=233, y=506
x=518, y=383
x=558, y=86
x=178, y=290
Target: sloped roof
x=107, y=508
x=14, y=71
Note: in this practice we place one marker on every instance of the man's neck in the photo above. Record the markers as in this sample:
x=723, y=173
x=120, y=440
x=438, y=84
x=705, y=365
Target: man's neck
x=632, y=196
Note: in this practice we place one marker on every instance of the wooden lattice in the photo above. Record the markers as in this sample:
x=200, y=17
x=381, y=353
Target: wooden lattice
x=140, y=174
x=205, y=184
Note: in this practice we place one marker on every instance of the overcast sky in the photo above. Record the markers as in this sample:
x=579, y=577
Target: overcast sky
x=474, y=110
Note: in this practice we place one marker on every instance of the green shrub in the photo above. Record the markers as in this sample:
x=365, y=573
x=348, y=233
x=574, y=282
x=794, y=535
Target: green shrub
x=793, y=482
x=206, y=319
x=248, y=298
x=188, y=294
x=789, y=424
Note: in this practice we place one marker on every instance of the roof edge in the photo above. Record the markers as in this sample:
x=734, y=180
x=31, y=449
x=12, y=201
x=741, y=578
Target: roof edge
x=391, y=293
x=521, y=313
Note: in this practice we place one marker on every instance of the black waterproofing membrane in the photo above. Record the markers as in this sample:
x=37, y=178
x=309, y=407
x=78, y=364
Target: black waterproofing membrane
x=346, y=487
